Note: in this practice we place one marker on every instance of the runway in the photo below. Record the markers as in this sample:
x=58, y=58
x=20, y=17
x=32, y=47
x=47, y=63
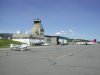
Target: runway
x=51, y=60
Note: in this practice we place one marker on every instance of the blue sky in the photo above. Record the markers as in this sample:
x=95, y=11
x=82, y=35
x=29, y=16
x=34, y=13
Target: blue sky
x=70, y=18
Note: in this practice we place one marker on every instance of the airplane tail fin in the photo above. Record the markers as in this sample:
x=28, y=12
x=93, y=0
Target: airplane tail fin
x=94, y=41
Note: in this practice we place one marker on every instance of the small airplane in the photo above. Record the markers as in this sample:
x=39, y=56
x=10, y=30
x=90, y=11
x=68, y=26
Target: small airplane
x=18, y=47
x=93, y=42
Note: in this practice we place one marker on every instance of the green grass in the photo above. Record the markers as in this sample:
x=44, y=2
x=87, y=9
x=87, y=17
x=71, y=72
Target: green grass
x=6, y=43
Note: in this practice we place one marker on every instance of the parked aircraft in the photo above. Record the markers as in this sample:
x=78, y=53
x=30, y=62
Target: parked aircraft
x=93, y=42
x=18, y=47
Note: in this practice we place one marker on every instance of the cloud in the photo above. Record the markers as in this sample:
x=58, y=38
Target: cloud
x=68, y=33
x=58, y=33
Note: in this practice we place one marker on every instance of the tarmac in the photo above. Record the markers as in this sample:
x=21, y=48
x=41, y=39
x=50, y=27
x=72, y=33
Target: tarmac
x=51, y=60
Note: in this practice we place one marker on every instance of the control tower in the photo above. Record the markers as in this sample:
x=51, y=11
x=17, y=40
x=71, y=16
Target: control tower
x=37, y=27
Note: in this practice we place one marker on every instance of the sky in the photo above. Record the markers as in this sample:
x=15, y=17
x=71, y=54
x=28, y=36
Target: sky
x=78, y=19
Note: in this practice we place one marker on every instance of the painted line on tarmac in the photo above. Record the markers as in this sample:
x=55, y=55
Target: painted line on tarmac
x=69, y=54
x=60, y=57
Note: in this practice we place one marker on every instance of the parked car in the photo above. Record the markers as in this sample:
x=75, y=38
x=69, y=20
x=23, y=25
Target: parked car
x=38, y=44
x=45, y=44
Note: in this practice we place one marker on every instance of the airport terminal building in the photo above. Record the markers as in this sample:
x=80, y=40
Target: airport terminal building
x=37, y=36
x=56, y=40
x=30, y=39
